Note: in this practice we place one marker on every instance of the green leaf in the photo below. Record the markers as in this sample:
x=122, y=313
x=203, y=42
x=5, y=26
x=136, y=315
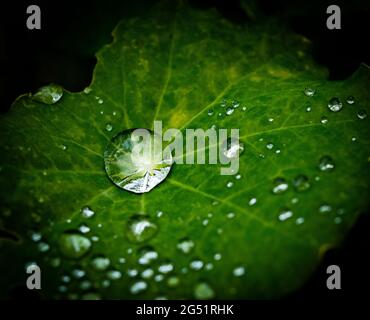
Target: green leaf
x=174, y=65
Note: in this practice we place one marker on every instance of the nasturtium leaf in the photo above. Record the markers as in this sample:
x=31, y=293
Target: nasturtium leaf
x=198, y=234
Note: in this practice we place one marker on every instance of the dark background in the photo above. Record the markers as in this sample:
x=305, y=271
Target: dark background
x=71, y=32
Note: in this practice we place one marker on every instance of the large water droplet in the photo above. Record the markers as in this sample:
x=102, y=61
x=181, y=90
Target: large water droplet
x=48, y=94
x=74, y=245
x=280, y=186
x=134, y=160
x=203, y=291
x=326, y=163
x=140, y=228
x=334, y=104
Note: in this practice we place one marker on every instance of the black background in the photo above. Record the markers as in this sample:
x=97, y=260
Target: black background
x=63, y=52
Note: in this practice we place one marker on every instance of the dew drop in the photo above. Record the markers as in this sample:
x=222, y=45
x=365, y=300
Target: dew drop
x=279, y=186
x=114, y=274
x=326, y=163
x=285, y=214
x=137, y=172
x=86, y=212
x=147, y=255
x=210, y=112
x=147, y=273
x=100, y=263
x=309, y=92
x=252, y=201
x=361, y=114
x=100, y=101
x=203, y=291
x=269, y=146
x=324, y=120
x=350, y=100
x=334, y=104
x=74, y=245
x=138, y=287
x=78, y=273
x=325, y=208
x=36, y=236
x=239, y=271
x=173, y=281
x=229, y=111
x=140, y=228
x=48, y=94
x=299, y=220
x=217, y=256
x=108, y=127
x=196, y=264
x=84, y=228
x=87, y=90
x=43, y=246
x=238, y=176
x=185, y=245
x=301, y=183
x=166, y=267
x=230, y=184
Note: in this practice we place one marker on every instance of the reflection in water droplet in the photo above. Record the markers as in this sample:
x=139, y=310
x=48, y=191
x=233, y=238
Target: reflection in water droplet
x=350, y=100
x=87, y=90
x=86, y=212
x=78, y=273
x=362, y=114
x=203, y=291
x=134, y=161
x=36, y=236
x=185, y=245
x=279, y=186
x=239, y=271
x=48, y=94
x=334, y=104
x=301, y=183
x=285, y=214
x=140, y=228
x=138, y=287
x=74, y=245
x=309, y=92
x=326, y=163
x=100, y=263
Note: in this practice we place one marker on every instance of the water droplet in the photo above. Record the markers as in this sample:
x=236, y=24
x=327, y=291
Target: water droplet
x=166, y=267
x=230, y=184
x=203, y=291
x=326, y=163
x=121, y=260
x=285, y=214
x=196, y=264
x=48, y=94
x=173, y=281
x=229, y=111
x=84, y=228
x=209, y=266
x=205, y=222
x=309, y=92
x=43, y=246
x=244, y=108
x=74, y=245
x=147, y=255
x=299, y=220
x=66, y=279
x=100, y=101
x=231, y=215
x=138, y=287
x=140, y=228
x=86, y=212
x=134, y=170
x=233, y=148
x=361, y=114
x=353, y=139
x=159, y=214
x=217, y=256
x=210, y=112
x=114, y=274
x=252, y=201
x=269, y=146
x=239, y=271
x=325, y=208
x=238, y=176
x=185, y=245
x=78, y=273
x=87, y=90
x=100, y=263
x=36, y=236
x=147, y=273
x=334, y=104
x=271, y=119
x=159, y=277
x=350, y=100
x=301, y=183
x=108, y=127
x=324, y=120
x=132, y=273
x=85, y=285
x=280, y=186
x=337, y=220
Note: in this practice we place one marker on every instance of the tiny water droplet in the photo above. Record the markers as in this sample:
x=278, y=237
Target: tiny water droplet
x=231, y=215
x=230, y=184
x=203, y=291
x=108, y=127
x=217, y=256
x=324, y=120
x=147, y=255
x=147, y=273
x=49, y=94
x=233, y=149
x=229, y=111
x=78, y=273
x=326, y=163
x=114, y=274
x=36, y=236
x=238, y=176
x=74, y=245
x=100, y=101
x=173, y=281
x=87, y=90
x=185, y=245
x=166, y=267
x=309, y=92
x=337, y=220
x=134, y=171
x=239, y=271
x=325, y=208
x=86, y=212
x=196, y=264
x=252, y=201
x=43, y=246
x=301, y=183
x=269, y=146
x=84, y=228
x=132, y=273
x=279, y=186
x=299, y=220
x=350, y=100
x=334, y=104
x=353, y=139
x=308, y=109
x=100, y=263
x=138, y=287
x=285, y=214
x=361, y=114
x=244, y=108
x=140, y=228
x=210, y=112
